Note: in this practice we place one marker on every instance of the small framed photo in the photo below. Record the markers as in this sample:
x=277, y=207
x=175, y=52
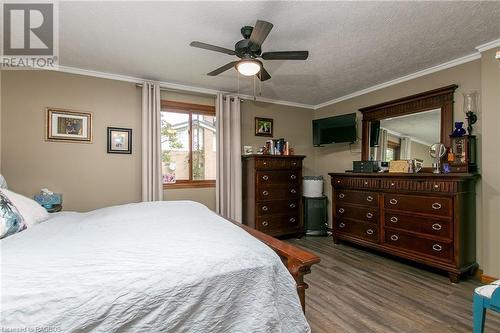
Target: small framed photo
x=247, y=150
x=263, y=127
x=119, y=140
x=68, y=126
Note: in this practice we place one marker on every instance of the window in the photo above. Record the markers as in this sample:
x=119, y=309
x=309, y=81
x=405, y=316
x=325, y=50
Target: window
x=188, y=142
x=392, y=152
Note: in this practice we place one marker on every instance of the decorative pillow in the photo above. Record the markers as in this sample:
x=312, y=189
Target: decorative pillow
x=3, y=182
x=30, y=210
x=11, y=221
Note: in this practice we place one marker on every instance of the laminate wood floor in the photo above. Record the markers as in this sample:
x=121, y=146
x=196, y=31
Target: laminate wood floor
x=354, y=290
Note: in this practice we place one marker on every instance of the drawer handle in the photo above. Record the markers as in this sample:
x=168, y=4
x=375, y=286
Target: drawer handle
x=265, y=177
x=341, y=210
x=342, y=225
x=294, y=163
x=437, y=247
x=265, y=163
x=369, y=231
x=293, y=191
x=394, y=238
x=341, y=195
x=265, y=193
x=394, y=219
x=293, y=177
x=436, y=186
x=392, y=184
x=436, y=226
x=264, y=208
x=292, y=205
x=369, y=215
x=436, y=206
x=393, y=201
x=369, y=198
x=265, y=223
x=338, y=181
x=366, y=183
x=292, y=219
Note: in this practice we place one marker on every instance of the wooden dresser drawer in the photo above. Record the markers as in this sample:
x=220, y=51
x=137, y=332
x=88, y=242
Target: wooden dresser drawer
x=366, y=231
x=355, y=182
x=356, y=197
x=366, y=214
x=275, y=222
x=285, y=191
x=265, y=178
x=428, y=247
x=420, y=185
x=278, y=164
x=433, y=227
x=439, y=206
x=288, y=207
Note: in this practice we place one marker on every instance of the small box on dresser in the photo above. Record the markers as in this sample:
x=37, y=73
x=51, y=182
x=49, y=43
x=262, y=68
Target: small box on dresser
x=272, y=187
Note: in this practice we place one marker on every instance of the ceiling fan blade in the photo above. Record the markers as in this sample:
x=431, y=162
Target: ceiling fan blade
x=263, y=75
x=212, y=48
x=222, y=69
x=259, y=33
x=285, y=55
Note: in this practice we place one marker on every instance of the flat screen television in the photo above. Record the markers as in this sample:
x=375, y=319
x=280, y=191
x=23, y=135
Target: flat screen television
x=334, y=129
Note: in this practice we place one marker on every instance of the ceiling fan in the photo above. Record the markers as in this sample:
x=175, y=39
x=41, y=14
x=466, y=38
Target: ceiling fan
x=249, y=49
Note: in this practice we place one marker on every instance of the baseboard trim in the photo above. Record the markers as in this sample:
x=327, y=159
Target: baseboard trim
x=486, y=279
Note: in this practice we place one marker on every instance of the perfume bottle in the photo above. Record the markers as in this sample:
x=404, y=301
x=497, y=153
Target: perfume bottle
x=451, y=155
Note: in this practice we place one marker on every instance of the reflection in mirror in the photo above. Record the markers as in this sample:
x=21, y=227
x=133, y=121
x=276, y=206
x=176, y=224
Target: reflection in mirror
x=406, y=137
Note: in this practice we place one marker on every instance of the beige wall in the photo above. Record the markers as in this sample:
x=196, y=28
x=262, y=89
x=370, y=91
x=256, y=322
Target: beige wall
x=421, y=151
x=490, y=114
x=291, y=123
x=87, y=176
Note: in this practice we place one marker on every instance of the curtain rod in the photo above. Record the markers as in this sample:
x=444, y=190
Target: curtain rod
x=139, y=85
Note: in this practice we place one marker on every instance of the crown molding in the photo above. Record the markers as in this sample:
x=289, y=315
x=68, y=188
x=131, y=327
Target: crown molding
x=437, y=68
x=488, y=46
x=174, y=86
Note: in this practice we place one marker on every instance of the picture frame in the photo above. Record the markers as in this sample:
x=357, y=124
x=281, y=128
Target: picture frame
x=263, y=127
x=62, y=125
x=119, y=140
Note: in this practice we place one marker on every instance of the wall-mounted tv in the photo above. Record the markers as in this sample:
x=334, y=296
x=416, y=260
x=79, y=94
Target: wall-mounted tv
x=334, y=129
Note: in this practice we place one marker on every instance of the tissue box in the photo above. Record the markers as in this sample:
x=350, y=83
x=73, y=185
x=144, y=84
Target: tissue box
x=48, y=201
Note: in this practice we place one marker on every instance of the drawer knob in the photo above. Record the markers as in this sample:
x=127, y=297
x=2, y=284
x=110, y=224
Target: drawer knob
x=436, y=226
x=292, y=205
x=265, y=177
x=437, y=247
x=294, y=163
x=292, y=219
x=293, y=191
x=265, y=223
x=436, y=206
x=366, y=183
x=393, y=201
x=369, y=231
x=265, y=193
x=341, y=210
x=369, y=215
x=394, y=219
x=265, y=163
x=394, y=238
x=265, y=208
x=342, y=225
x=338, y=181
x=369, y=198
x=392, y=184
x=341, y=195
x=436, y=186
x=293, y=177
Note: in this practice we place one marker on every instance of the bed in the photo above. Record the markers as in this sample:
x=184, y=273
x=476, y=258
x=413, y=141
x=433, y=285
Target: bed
x=167, y=266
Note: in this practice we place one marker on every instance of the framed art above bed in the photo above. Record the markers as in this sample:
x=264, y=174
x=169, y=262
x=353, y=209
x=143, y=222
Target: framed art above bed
x=68, y=126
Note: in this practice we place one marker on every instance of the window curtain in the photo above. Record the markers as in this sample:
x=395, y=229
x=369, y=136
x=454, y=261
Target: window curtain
x=405, y=148
x=228, y=180
x=382, y=145
x=152, y=189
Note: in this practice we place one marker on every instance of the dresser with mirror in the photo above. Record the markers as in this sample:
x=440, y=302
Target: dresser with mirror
x=424, y=217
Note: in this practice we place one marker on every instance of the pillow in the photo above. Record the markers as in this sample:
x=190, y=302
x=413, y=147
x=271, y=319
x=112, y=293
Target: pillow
x=3, y=182
x=11, y=221
x=30, y=210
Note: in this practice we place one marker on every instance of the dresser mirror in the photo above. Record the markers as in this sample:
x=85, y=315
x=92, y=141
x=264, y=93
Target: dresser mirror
x=405, y=128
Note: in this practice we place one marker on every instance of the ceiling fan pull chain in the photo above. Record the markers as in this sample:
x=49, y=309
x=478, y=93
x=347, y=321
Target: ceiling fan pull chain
x=260, y=85
x=254, y=94
x=238, y=83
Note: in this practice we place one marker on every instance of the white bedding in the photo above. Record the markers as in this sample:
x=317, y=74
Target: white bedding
x=148, y=267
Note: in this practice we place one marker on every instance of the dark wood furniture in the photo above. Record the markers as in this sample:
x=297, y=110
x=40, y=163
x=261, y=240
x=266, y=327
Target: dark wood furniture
x=428, y=218
x=272, y=188
x=297, y=261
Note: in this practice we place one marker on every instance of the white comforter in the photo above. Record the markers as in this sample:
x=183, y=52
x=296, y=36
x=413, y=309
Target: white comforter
x=148, y=267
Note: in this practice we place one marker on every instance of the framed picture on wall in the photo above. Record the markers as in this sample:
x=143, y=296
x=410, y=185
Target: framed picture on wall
x=68, y=126
x=119, y=140
x=263, y=127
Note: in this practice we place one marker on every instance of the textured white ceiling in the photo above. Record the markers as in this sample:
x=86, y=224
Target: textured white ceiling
x=353, y=45
x=422, y=126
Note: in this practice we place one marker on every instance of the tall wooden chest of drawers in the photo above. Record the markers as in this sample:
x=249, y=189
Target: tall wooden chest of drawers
x=428, y=218
x=272, y=189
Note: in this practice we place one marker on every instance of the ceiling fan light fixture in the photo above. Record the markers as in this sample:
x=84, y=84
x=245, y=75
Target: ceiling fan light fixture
x=248, y=67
